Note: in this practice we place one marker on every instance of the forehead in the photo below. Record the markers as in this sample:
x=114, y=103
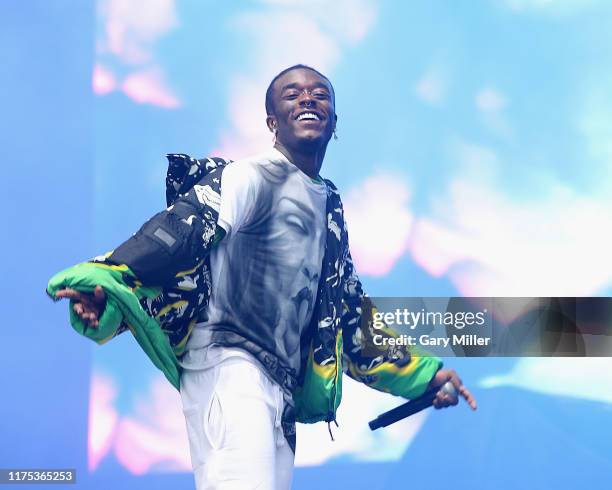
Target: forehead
x=301, y=78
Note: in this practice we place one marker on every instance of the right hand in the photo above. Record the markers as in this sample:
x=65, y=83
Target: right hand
x=88, y=306
x=444, y=400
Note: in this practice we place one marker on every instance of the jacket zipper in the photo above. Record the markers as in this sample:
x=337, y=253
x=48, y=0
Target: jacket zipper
x=331, y=416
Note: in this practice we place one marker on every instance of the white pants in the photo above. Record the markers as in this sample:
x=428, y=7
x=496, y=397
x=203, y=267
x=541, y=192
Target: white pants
x=233, y=414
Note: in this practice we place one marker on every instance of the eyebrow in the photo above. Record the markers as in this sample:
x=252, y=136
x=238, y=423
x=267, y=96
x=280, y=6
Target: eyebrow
x=297, y=86
x=300, y=205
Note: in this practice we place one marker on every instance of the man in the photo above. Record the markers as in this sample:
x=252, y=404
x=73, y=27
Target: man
x=286, y=311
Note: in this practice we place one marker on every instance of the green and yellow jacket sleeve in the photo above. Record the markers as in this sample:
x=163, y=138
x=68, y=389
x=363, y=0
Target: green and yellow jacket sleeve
x=399, y=370
x=158, y=281
x=122, y=307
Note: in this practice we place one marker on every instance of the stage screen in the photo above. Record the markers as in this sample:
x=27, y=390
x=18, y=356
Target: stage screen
x=474, y=158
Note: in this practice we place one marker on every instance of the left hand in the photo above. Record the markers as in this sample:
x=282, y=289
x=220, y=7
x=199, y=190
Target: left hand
x=444, y=400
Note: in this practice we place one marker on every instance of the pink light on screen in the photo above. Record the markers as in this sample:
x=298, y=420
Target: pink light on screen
x=153, y=436
x=102, y=419
x=379, y=222
x=434, y=247
x=149, y=87
x=132, y=28
x=103, y=81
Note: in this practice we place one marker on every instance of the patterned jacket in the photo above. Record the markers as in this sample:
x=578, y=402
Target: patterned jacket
x=158, y=283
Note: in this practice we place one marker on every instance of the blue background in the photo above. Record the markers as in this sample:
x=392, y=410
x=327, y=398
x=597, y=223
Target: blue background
x=75, y=161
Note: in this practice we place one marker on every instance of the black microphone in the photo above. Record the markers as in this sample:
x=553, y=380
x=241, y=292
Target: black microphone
x=411, y=407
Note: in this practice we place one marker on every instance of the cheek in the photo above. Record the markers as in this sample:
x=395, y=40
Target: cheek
x=294, y=249
x=283, y=111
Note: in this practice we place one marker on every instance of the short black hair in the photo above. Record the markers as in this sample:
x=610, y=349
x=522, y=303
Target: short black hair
x=270, y=103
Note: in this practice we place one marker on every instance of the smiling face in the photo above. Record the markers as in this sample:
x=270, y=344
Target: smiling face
x=303, y=113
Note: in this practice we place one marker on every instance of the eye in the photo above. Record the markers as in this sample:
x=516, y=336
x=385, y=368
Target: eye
x=296, y=223
x=290, y=94
x=321, y=95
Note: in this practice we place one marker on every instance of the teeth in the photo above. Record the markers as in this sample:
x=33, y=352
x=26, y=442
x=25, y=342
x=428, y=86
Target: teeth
x=308, y=115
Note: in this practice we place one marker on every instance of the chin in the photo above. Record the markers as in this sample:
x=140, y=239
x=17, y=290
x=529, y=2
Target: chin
x=312, y=140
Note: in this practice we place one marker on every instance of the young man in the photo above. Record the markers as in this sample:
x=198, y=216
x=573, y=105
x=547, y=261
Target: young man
x=286, y=311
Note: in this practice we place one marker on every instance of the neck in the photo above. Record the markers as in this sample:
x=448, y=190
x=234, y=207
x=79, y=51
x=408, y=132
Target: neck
x=309, y=161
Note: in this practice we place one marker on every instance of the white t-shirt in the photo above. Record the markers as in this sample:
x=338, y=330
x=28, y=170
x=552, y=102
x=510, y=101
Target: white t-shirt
x=265, y=272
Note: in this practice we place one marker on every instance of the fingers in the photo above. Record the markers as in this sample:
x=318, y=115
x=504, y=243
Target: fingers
x=465, y=393
x=99, y=294
x=78, y=308
x=75, y=295
x=86, y=314
x=87, y=306
x=443, y=400
x=69, y=293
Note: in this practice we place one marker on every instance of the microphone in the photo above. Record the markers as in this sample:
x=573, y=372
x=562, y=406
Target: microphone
x=411, y=407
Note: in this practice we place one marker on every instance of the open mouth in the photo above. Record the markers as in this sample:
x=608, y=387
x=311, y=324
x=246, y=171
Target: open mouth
x=308, y=116
x=303, y=304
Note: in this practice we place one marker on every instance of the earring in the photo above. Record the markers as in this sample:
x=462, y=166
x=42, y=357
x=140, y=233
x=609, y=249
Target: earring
x=335, y=135
x=274, y=137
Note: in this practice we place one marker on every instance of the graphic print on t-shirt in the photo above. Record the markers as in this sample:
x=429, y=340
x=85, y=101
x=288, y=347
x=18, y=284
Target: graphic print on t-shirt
x=266, y=270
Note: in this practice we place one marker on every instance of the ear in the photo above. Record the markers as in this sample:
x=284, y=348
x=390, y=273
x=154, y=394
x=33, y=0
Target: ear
x=335, y=120
x=271, y=123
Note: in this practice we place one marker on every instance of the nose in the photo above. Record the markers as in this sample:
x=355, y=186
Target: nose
x=310, y=274
x=306, y=99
